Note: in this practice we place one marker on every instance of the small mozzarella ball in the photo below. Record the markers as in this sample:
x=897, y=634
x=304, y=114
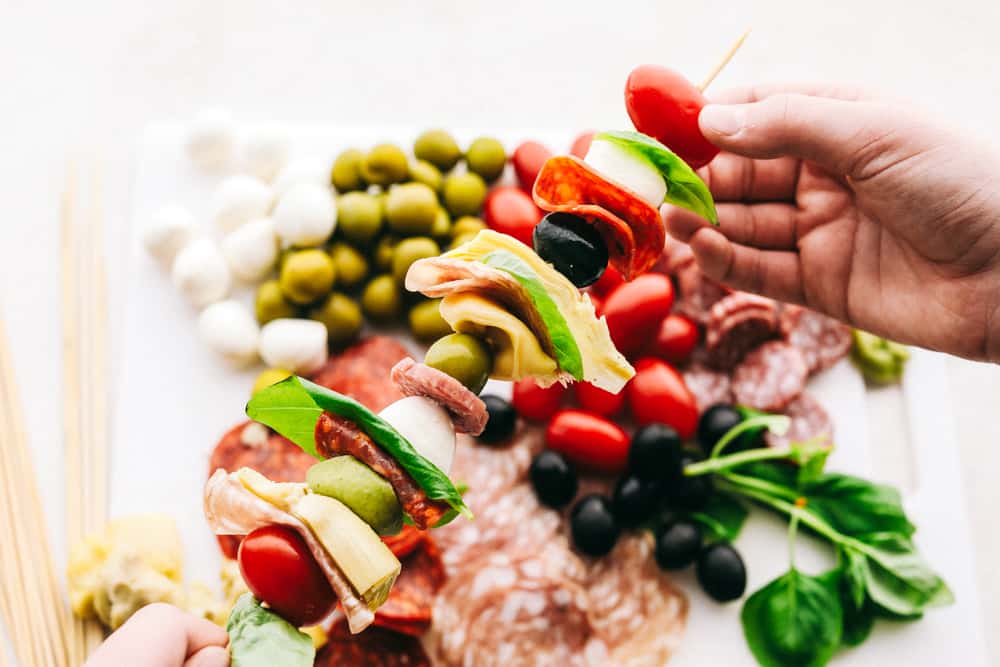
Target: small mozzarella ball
x=239, y=199
x=170, y=229
x=296, y=345
x=265, y=151
x=251, y=250
x=305, y=215
x=201, y=274
x=626, y=168
x=302, y=170
x=427, y=426
x=230, y=330
x=211, y=139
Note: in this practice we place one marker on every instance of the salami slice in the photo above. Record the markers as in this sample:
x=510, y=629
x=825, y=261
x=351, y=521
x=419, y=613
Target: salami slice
x=403, y=543
x=631, y=228
x=253, y=445
x=709, y=386
x=809, y=420
x=375, y=647
x=770, y=377
x=467, y=410
x=697, y=292
x=822, y=340
x=408, y=609
x=490, y=470
x=362, y=372
x=737, y=323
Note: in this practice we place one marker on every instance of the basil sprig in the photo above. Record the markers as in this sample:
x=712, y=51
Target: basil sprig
x=260, y=638
x=293, y=406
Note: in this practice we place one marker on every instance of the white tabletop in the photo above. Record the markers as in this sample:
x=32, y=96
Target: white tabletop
x=87, y=77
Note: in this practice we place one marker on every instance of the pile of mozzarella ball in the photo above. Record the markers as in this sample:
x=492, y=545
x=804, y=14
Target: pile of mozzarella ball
x=262, y=203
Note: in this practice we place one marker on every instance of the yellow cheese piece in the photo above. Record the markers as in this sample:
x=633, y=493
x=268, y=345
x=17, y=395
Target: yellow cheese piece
x=280, y=494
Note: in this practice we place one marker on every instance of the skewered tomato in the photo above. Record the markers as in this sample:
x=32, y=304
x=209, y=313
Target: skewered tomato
x=676, y=338
x=534, y=402
x=634, y=310
x=509, y=210
x=657, y=393
x=588, y=440
x=600, y=402
x=528, y=159
x=279, y=570
x=581, y=145
x=665, y=105
x=608, y=281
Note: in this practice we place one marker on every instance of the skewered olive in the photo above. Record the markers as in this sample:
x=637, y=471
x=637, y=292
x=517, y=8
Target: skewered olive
x=463, y=357
x=359, y=487
x=350, y=265
x=678, y=545
x=341, y=316
x=593, y=526
x=385, y=164
x=359, y=217
x=410, y=209
x=346, y=172
x=381, y=299
x=307, y=275
x=424, y=172
x=463, y=194
x=553, y=478
x=571, y=245
x=501, y=422
x=721, y=572
x=437, y=147
x=486, y=157
x=271, y=304
x=426, y=322
x=410, y=250
x=655, y=453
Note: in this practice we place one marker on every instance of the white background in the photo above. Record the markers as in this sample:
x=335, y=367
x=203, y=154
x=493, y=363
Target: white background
x=84, y=78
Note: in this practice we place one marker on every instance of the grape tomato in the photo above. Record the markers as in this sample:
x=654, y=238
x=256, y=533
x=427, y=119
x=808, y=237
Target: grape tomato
x=528, y=159
x=657, y=393
x=588, y=440
x=634, y=310
x=676, y=338
x=600, y=402
x=510, y=211
x=534, y=402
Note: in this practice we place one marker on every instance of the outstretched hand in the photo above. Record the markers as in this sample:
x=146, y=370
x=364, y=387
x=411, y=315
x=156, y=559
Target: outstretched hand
x=159, y=635
x=856, y=208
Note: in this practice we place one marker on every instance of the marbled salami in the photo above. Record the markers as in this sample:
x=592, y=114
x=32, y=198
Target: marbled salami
x=408, y=609
x=822, y=340
x=468, y=412
x=362, y=372
x=770, y=377
x=809, y=420
x=708, y=385
x=697, y=292
x=737, y=323
x=375, y=647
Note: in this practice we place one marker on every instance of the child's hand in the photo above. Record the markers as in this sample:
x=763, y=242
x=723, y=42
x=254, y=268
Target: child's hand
x=163, y=636
x=856, y=208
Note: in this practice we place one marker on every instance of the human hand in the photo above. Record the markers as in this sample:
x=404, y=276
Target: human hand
x=160, y=635
x=857, y=208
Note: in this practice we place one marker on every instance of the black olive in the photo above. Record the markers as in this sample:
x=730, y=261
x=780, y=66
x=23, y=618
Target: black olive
x=688, y=493
x=553, y=478
x=678, y=545
x=634, y=500
x=573, y=246
x=716, y=421
x=593, y=525
x=502, y=419
x=655, y=453
x=721, y=572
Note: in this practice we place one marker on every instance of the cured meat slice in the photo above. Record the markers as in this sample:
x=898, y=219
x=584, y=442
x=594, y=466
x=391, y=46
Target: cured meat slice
x=809, y=420
x=697, y=292
x=490, y=470
x=822, y=340
x=737, y=323
x=634, y=608
x=253, y=445
x=336, y=436
x=631, y=228
x=468, y=412
x=362, y=372
x=408, y=609
x=403, y=543
x=375, y=647
x=770, y=377
x=708, y=386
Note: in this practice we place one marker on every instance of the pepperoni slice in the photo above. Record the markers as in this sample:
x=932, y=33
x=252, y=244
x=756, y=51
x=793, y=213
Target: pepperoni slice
x=631, y=228
x=408, y=609
x=403, y=543
x=375, y=647
x=362, y=372
x=770, y=377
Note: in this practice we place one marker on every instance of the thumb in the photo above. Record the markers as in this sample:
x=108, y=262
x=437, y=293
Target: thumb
x=210, y=656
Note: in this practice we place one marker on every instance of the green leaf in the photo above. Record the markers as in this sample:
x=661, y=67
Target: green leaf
x=811, y=457
x=898, y=579
x=723, y=517
x=854, y=506
x=260, y=638
x=293, y=406
x=563, y=343
x=858, y=619
x=684, y=187
x=794, y=621
x=777, y=424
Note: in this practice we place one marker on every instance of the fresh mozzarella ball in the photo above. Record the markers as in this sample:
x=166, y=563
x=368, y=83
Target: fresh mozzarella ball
x=427, y=426
x=251, y=250
x=265, y=151
x=201, y=274
x=303, y=170
x=239, y=199
x=170, y=229
x=230, y=330
x=211, y=139
x=628, y=169
x=305, y=215
x=296, y=345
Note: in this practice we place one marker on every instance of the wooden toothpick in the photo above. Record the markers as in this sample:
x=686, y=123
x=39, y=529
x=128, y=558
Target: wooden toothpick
x=725, y=60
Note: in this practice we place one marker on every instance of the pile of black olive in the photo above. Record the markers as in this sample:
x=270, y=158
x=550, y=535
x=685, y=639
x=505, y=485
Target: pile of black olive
x=573, y=246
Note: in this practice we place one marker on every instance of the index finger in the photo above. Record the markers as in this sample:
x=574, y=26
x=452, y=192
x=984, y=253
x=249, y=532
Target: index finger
x=202, y=633
x=758, y=92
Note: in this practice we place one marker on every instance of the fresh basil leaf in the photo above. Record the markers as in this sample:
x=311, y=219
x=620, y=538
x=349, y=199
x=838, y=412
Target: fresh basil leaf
x=854, y=580
x=858, y=619
x=811, y=456
x=854, y=506
x=777, y=424
x=723, y=517
x=796, y=620
x=898, y=579
x=293, y=406
x=260, y=638
x=684, y=187
x=780, y=474
x=564, y=345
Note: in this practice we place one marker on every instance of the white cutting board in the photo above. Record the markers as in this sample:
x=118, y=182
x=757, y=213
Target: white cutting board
x=175, y=400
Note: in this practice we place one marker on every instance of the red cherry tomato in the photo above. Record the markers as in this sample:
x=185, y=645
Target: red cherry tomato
x=634, y=310
x=665, y=105
x=600, y=402
x=280, y=570
x=676, y=339
x=588, y=440
x=509, y=210
x=598, y=302
x=534, y=402
x=581, y=145
x=609, y=280
x=657, y=393
x=528, y=159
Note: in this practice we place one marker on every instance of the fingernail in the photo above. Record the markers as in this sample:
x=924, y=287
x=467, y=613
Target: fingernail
x=721, y=119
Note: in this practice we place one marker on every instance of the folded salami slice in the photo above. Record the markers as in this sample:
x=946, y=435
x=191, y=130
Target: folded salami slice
x=770, y=377
x=408, y=609
x=405, y=542
x=809, y=420
x=698, y=293
x=468, y=412
x=737, y=323
x=630, y=227
x=822, y=340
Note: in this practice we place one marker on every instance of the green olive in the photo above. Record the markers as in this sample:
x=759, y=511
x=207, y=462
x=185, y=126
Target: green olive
x=367, y=493
x=359, y=217
x=467, y=224
x=464, y=357
x=426, y=322
x=270, y=303
x=410, y=250
x=487, y=158
x=437, y=147
x=462, y=238
x=307, y=275
x=385, y=164
x=441, y=229
x=267, y=378
x=346, y=172
x=424, y=172
x=341, y=316
x=384, y=250
x=382, y=300
x=464, y=194
x=351, y=266
x=410, y=209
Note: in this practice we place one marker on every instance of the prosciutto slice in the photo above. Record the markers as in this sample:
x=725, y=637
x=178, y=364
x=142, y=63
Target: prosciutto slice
x=467, y=410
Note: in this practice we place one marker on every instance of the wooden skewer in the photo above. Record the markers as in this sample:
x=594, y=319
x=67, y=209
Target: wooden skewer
x=725, y=60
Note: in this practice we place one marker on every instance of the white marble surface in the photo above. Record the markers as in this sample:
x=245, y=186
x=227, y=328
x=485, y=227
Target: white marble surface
x=86, y=77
